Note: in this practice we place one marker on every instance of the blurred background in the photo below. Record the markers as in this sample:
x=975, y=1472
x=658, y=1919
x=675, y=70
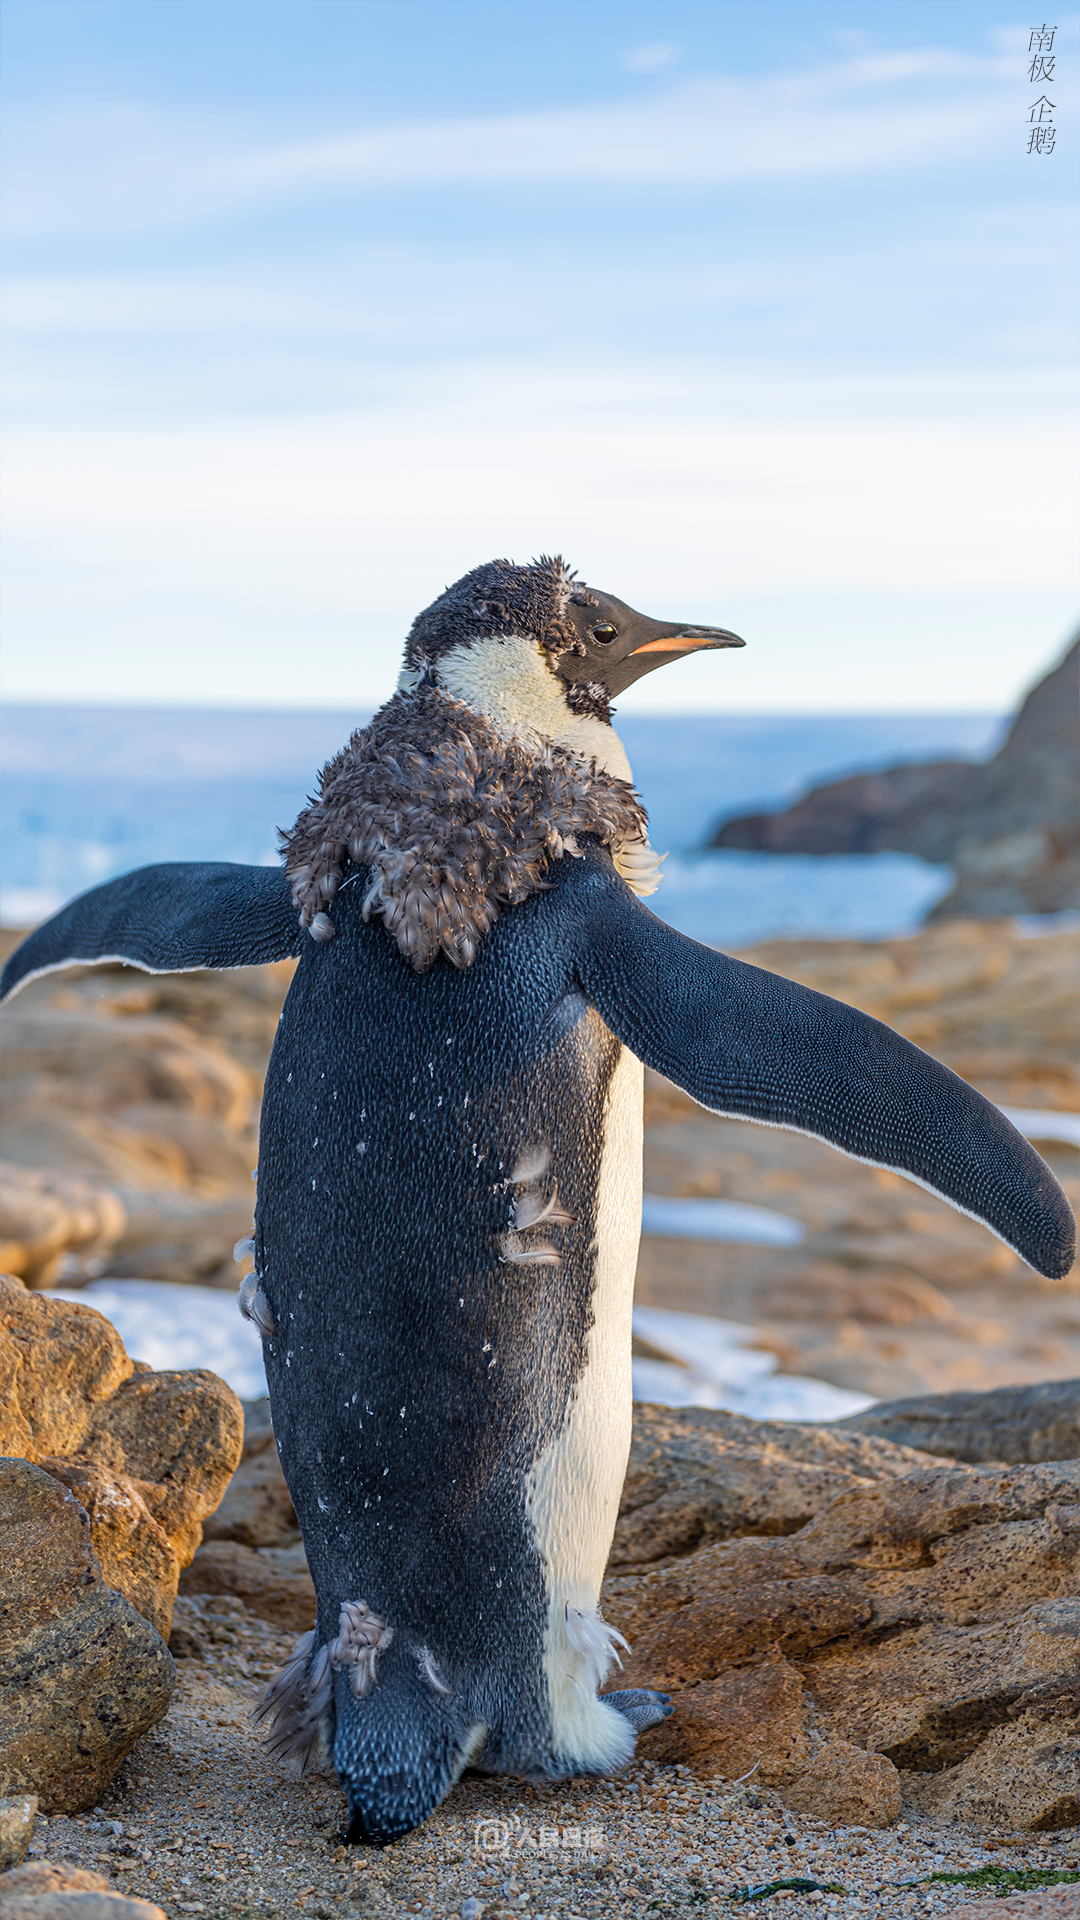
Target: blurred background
x=764, y=318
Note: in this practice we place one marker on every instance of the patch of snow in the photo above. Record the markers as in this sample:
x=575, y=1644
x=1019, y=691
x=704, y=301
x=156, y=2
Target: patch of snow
x=1037, y=1123
x=173, y=1326
x=715, y=1363
x=726, y=1220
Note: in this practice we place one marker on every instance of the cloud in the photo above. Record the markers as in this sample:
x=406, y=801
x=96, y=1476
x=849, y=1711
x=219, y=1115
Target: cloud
x=132, y=170
x=650, y=58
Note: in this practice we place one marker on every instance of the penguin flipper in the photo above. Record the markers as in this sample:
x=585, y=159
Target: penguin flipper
x=167, y=919
x=754, y=1046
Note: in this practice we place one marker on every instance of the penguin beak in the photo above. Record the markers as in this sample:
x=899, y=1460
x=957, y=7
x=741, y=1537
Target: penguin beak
x=688, y=640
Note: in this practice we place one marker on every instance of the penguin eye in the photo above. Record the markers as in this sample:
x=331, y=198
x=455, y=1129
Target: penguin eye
x=605, y=634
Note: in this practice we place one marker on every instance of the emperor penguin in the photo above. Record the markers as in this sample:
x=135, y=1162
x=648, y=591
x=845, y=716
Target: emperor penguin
x=450, y=1173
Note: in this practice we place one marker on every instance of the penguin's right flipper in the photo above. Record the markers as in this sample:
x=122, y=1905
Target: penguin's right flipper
x=167, y=919
x=754, y=1046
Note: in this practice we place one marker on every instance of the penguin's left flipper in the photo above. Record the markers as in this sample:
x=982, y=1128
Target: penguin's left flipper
x=167, y=919
x=754, y=1046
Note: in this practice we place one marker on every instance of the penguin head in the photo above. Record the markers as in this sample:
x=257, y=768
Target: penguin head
x=534, y=644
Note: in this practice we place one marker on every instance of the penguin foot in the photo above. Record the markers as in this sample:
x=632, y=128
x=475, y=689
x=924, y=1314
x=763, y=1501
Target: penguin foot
x=640, y=1706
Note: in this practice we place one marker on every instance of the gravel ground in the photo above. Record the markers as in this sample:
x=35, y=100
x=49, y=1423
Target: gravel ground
x=201, y=1822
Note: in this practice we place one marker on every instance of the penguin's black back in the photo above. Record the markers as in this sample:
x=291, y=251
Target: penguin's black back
x=416, y=1375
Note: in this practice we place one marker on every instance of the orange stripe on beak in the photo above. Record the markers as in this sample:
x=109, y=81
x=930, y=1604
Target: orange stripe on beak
x=677, y=644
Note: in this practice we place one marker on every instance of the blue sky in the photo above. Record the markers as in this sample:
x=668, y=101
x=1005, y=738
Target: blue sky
x=764, y=316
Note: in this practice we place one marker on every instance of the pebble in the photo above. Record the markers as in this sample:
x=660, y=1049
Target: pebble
x=201, y=1821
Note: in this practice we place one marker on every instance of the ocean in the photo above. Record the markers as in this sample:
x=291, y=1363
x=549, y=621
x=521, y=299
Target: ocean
x=90, y=792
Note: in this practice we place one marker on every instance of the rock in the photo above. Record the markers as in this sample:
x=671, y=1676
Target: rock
x=904, y=809
x=923, y=1612
x=148, y=1454
x=273, y=1582
x=723, y=1617
x=46, y=1892
x=847, y=1787
x=257, y=1510
x=16, y=1827
x=83, y=1674
x=1042, y=1903
x=55, y=1225
x=751, y=1718
x=1008, y=1423
x=696, y=1475
x=125, y=1084
x=1018, y=837
x=59, y=1361
x=137, y=1557
x=43, y=1877
x=1008, y=827
x=1026, y=1773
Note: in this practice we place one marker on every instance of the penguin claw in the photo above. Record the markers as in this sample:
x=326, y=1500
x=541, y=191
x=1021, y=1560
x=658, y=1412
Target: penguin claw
x=640, y=1705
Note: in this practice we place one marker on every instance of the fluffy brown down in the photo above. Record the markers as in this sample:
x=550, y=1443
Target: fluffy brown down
x=452, y=821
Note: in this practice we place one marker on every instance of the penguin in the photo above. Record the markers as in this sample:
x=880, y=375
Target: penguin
x=450, y=1175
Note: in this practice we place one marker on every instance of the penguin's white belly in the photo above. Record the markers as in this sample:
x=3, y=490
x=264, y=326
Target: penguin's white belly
x=574, y=1489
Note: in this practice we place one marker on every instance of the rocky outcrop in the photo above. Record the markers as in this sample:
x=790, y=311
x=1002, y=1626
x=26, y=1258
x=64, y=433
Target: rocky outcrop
x=906, y=809
x=695, y=1476
x=17, y=1813
x=919, y=1619
x=123, y=1086
x=47, y=1892
x=272, y=1582
x=1009, y=1423
x=83, y=1675
x=1044, y=1903
x=1008, y=828
x=1018, y=834
x=257, y=1510
x=146, y=1454
x=52, y=1221
x=251, y=1544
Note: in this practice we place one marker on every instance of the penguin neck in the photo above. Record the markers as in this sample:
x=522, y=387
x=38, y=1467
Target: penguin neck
x=508, y=680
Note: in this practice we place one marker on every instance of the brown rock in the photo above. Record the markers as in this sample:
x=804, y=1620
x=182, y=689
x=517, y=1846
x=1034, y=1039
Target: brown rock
x=49, y=1219
x=104, y=1082
x=257, y=1510
x=46, y=1892
x=1025, y=1773
x=752, y=1718
x=84, y=1675
x=924, y=1613
x=1042, y=1903
x=62, y=1360
x=136, y=1554
x=847, y=1787
x=1008, y=827
x=273, y=1581
x=148, y=1454
x=726, y=1604
x=695, y=1476
x=43, y=1877
x=179, y=1433
x=1017, y=829
x=16, y=1827
x=905, y=809
x=1009, y=1423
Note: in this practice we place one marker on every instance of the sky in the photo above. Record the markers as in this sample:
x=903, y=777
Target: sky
x=764, y=317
